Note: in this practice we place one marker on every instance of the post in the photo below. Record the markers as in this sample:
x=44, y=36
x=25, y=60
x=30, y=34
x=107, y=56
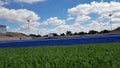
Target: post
x=28, y=22
x=110, y=21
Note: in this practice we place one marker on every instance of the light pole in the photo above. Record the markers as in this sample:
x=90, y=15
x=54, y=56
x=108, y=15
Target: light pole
x=28, y=22
x=110, y=15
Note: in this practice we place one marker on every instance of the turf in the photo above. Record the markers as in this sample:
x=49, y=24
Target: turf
x=74, y=56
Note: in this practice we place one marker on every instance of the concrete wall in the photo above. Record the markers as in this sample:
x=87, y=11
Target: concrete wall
x=62, y=41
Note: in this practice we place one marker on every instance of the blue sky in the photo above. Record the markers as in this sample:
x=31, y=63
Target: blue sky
x=53, y=15
x=50, y=8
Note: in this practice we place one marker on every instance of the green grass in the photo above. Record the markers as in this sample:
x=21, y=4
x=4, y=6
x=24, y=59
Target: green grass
x=74, y=56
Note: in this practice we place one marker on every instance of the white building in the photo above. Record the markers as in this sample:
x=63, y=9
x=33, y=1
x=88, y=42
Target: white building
x=50, y=35
x=3, y=29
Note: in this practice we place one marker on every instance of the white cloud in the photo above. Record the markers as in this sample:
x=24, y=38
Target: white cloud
x=82, y=19
x=94, y=7
x=82, y=9
x=70, y=18
x=99, y=26
x=29, y=1
x=7, y=27
x=103, y=9
x=116, y=25
x=21, y=16
x=53, y=21
x=31, y=28
x=81, y=14
x=34, y=27
x=18, y=16
x=2, y=3
x=63, y=28
x=95, y=26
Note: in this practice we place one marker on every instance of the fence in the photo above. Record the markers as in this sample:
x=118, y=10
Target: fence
x=61, y=41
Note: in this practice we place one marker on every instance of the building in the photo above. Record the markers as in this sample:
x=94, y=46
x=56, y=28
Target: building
x=50, y=35
x=3, y=29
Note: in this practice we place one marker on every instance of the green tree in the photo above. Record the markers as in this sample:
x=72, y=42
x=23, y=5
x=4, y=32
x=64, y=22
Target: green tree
x=34, y=35
x=93, y=32
x=82, y=33
x=75, y=33
x=104, y=31
x=62, y=34
x=38, y=35
x=68, y=33
x=55, y=34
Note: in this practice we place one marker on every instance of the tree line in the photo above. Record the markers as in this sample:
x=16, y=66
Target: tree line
x=69, y=33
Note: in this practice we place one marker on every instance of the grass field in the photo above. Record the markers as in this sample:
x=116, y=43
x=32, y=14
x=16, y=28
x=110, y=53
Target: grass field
x=74, y=56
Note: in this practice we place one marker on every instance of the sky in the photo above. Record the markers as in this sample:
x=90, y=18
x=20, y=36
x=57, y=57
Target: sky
x=58, y=16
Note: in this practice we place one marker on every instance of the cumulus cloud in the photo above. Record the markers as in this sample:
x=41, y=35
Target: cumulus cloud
x=21, y=16
x=81, y=9
x=61, y=29
x=94, y=25
x=29, y=28
x=29, y=1
x=2, y=3
x=114, y=26
x=80, y=14
x=82, y=19
x=7, y=27
x=34, y=27
x=103, y=9
x=64, y=28
x=70, y=18
x=53, y=21
x=18, y=16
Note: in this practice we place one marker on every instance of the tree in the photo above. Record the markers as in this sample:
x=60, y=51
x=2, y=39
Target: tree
x=82, y=33
x=38, y=35
x=75, y=33
x=34, y=35
x=104, y=31
x=55, y=34
x=45, y=36
x=62, y=34
x=68, y=33
x=93, y=32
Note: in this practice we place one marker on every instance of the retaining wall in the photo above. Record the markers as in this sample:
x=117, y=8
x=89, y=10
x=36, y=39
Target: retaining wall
x=61, y=41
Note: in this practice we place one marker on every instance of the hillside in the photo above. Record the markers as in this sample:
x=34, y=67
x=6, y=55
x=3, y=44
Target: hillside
x=116, y=31
x=13, y=36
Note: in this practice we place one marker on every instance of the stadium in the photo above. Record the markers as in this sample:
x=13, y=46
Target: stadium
x=59, y=34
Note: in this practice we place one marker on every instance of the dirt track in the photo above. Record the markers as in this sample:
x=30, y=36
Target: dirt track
x=116, y=31
x=13, y=36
